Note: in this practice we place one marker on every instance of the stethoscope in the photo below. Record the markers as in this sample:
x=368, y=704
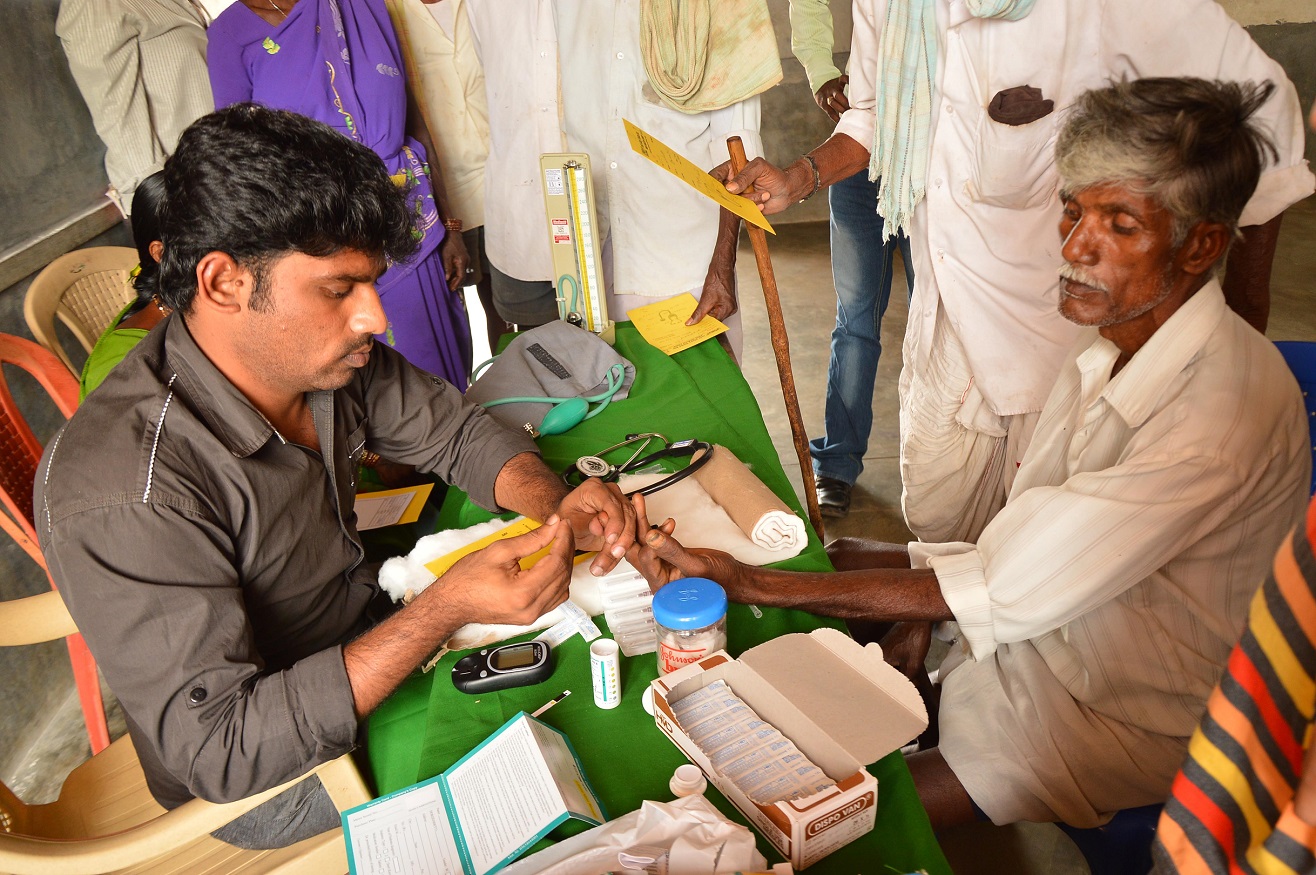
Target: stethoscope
x=596, y=466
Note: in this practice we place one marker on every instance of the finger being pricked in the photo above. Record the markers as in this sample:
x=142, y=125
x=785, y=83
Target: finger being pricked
x=642, y=524
x=644, y=555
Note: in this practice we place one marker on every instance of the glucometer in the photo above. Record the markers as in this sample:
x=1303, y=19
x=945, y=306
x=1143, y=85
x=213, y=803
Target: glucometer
x=498, y=668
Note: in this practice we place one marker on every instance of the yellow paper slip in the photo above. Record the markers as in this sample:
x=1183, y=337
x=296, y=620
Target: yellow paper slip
x=663, y=324
x=392, y=507
x=691, y=174
x=437, y=567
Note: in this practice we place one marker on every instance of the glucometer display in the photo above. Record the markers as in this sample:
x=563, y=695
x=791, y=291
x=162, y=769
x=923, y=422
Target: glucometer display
x=508, y=658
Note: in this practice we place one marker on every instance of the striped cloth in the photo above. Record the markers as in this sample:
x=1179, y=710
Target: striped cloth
x=907, y=57
x=1231, y=808
x=141, y=68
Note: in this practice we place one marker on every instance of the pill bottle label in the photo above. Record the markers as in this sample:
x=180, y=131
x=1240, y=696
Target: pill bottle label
x=671, y=658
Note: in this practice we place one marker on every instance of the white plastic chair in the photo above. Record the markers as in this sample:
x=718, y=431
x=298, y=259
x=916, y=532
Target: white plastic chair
x=85, y=289
x=105, y=820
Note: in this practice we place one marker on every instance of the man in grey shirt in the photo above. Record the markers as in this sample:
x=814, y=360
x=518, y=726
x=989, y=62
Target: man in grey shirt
x=197, y=515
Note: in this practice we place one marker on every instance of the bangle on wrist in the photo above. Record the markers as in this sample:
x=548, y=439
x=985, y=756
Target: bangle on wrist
x=817, y=180
x=453, y=224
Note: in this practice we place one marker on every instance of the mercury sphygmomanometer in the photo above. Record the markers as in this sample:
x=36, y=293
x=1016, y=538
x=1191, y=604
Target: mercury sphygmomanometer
x=567, y=413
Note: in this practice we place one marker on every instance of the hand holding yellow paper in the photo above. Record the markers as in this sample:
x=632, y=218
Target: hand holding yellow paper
x=517, y=527
x=690, y=173
x=521, y=526
x=663, y=324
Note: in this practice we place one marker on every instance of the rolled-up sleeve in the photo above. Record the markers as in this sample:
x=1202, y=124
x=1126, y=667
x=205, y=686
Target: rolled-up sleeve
x=419, y=419
x=1054, y=553
x=173, y=639
x=858, y=121
x=737, y=120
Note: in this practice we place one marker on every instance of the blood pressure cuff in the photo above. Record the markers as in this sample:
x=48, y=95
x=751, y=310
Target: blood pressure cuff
x=557, y=360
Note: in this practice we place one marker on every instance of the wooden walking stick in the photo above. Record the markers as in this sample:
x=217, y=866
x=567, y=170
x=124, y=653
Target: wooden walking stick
x=758, y=238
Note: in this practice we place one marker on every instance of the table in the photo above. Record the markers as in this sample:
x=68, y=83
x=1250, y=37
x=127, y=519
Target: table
x=426, y=725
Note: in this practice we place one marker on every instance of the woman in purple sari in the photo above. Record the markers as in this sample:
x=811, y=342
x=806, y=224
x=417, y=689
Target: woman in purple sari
x=338, y=61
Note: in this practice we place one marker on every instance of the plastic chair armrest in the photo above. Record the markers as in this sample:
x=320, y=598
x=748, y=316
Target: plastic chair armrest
x=28, y=855
x=35, y=619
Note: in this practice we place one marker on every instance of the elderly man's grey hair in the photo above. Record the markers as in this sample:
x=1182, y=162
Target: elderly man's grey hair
x=1187, y=143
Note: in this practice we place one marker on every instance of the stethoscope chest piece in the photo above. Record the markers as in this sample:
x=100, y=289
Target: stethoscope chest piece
x=593, y=466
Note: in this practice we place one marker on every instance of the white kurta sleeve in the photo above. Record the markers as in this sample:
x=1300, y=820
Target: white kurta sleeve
x=859, y=120
x=1054, y=553
x=737, y=120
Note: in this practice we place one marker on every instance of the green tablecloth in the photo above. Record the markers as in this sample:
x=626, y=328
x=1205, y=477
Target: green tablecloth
x=427, y=725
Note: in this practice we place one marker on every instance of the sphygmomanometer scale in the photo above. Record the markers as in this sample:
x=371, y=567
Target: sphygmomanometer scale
x=573, y=243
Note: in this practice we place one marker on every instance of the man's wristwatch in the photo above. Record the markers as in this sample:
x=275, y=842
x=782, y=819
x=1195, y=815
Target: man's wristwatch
x=817, y=180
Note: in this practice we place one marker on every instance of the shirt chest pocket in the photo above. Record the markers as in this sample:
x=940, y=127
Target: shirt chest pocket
x=1015, y=166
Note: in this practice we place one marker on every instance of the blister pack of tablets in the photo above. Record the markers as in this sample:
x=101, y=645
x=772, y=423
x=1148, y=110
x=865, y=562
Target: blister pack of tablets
x=750, y=752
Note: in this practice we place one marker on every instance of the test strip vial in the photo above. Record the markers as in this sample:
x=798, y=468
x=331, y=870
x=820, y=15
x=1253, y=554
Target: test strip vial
x=605, y=669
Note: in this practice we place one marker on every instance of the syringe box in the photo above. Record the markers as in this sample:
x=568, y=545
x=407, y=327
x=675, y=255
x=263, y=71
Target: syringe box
x=861, y=711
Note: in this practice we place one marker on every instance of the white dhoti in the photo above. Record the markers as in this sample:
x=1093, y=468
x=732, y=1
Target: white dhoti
x=1025, y=749
x=957, y=457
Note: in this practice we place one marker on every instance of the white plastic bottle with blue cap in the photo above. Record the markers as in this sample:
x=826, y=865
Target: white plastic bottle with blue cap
x=691, y=616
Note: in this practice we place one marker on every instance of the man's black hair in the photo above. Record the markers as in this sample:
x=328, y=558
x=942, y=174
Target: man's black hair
x=258, y=184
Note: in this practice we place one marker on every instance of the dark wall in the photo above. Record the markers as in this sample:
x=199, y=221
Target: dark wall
x=50, y=158
x=1294, y=47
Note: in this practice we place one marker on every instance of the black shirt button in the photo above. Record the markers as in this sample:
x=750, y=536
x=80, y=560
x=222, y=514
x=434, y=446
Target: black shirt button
x=197, y=695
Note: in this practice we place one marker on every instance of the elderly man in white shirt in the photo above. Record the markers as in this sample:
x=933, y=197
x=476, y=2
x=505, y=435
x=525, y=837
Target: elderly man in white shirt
x=1097, y=608
x=560, y=78
x=965, y=157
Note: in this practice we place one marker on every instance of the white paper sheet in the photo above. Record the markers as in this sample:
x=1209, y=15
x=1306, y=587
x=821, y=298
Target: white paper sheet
x=405, y=835
x=503, y=793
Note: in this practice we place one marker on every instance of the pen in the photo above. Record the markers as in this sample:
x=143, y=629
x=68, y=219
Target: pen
x=551, y=702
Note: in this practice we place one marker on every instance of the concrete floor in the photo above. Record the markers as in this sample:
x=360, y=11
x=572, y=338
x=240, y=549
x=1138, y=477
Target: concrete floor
x=801, y=262
x=800, y=256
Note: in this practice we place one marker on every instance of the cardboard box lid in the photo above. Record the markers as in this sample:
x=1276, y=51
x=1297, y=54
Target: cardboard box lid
x=846, y=689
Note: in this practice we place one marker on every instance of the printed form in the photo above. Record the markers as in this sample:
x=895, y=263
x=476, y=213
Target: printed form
x=405, y=834
x=502, y=793
x=480, y=814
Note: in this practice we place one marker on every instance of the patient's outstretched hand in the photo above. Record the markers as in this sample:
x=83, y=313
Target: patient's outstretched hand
x=661, y=558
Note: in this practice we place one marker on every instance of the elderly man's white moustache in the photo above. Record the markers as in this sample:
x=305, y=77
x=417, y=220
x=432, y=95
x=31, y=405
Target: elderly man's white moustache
x=1076, y=274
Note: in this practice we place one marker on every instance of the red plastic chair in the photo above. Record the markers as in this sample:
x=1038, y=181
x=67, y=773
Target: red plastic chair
x=20, y=453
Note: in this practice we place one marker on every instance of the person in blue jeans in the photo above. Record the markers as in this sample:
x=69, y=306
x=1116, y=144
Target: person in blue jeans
x=862, y=268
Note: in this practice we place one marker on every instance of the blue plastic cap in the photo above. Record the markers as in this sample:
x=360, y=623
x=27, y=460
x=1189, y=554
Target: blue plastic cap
x=689, y=603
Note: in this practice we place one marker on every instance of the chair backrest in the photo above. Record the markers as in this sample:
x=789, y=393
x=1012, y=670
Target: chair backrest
x=1301, y=358
x=86, y=289
x=20, y=451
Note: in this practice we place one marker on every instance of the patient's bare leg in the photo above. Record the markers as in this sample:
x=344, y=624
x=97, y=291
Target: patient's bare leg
x=942, y=794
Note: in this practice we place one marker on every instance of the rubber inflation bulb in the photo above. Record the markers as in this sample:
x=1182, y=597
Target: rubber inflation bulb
x=564, y=416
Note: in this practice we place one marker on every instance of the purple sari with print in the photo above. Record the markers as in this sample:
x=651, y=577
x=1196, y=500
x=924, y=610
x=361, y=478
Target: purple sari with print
x=338, y=62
